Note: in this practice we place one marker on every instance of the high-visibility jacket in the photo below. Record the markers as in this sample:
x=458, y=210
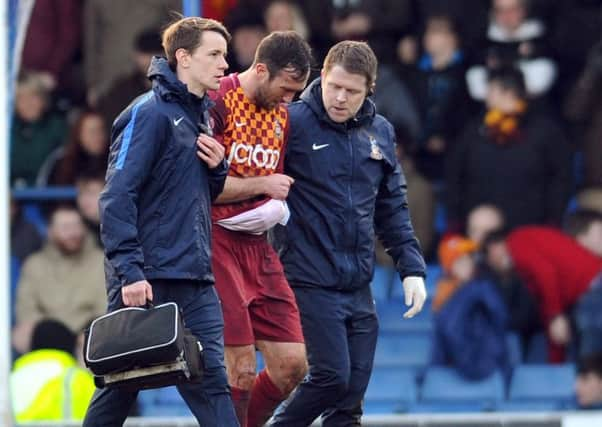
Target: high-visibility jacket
x=48, y=385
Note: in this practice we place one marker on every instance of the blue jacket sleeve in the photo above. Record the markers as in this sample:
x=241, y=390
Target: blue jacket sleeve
x=136, y=141
x=217, y=179
x=392, y=218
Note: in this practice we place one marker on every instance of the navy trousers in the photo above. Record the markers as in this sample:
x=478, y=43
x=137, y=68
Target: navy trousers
x=340, y=330
x=209, y=400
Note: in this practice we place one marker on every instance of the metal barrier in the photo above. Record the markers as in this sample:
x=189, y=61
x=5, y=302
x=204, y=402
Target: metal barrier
x=539, y=419
x=44, y=193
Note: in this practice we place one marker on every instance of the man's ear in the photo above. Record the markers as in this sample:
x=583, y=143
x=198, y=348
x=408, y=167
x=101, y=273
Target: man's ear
x=183, y=57
x=371, y=89
x=261, y=70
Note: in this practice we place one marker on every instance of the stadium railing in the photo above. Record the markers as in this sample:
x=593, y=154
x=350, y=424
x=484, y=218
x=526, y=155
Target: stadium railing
x=541, y=419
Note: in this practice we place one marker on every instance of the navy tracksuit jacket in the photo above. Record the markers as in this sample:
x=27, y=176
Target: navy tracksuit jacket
x=155, y=226
x=348, y=188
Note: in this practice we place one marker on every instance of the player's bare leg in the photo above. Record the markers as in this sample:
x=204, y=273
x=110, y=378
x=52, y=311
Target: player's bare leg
x=286, y=365
x=240, y=367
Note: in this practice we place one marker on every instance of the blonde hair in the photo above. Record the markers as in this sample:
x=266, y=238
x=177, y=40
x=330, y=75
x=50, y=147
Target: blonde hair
x=32, y=81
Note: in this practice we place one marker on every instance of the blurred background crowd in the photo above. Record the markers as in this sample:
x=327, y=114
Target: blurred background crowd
x=497, y=107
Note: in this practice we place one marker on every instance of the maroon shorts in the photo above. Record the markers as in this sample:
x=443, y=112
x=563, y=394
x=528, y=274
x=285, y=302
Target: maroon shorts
x=257, y=301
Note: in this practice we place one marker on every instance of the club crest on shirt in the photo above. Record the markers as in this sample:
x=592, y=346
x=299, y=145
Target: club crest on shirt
x=277, y=129
x=375, y=152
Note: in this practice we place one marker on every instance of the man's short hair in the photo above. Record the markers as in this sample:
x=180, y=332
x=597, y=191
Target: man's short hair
x=284, y=50
x=496, y=236
x=356, y=58
x=34, y=82
x=509, y=78
x=580, y=221
x=591, y=363
x=186, y=34
x=61, y=207
x=52, y=334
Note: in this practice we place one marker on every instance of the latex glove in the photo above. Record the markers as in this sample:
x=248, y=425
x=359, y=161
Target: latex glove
x=415, y=295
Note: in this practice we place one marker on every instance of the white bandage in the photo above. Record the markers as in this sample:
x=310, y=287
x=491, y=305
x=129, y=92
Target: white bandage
x=260, y=219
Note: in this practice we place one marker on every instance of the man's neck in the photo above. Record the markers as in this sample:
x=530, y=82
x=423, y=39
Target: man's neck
x=247, y=83
x=192, y=87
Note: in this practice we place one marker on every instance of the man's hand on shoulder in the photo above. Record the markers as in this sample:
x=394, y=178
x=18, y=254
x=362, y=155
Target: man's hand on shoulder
x=210, y=150
x=277, y=186
x=137, y=294
x=415, y=295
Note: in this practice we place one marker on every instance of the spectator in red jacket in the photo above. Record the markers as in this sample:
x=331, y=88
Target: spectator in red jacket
x=558, y=270
x=53, y=37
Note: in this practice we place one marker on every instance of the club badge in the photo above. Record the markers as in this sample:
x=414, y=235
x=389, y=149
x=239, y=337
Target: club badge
x=375, y=152
x=277, y=129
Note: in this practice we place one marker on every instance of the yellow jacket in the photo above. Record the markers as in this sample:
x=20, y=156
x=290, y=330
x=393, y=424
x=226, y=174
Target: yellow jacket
x=48, y=385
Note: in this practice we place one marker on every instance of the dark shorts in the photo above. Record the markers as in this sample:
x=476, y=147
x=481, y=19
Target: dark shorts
x=257, y=302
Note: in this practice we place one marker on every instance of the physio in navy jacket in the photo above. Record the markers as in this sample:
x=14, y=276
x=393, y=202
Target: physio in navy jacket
x=348, y=187
x=155, y=211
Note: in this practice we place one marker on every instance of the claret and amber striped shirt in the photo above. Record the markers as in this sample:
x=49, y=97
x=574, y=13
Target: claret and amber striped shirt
x=254, y=138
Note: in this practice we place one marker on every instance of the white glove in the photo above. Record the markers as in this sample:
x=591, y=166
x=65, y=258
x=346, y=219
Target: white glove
x=415, y=295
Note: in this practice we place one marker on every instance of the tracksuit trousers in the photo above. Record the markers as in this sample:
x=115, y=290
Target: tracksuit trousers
x=340, y=330
x=208, y=400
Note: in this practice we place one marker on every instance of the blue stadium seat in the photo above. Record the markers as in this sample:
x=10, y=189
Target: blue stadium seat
x=440, y=218
x=543, y=383
x=409, y=349
x=537, y=349
x=259, y=361
x=15, y=270
x=520, y=406
x=373, y=407
x=390, y=390
x=433, y=274
x=162, y=402
x=390, y=318
x=445, y=386
x=445, y=407
x=381, y=282
x=33, y=214
x=515, y=350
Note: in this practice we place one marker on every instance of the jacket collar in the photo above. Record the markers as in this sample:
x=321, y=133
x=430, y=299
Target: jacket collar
x=312, y=96
x=167, y=85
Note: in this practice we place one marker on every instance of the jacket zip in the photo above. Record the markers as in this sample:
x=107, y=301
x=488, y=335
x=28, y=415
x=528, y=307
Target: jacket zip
x=349, y=275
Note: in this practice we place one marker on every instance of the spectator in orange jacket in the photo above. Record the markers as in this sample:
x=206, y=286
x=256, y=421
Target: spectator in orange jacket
x=455, y=256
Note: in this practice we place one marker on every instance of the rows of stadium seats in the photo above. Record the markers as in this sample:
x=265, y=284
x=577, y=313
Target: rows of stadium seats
x=404, y=381
x=441, y=389
x=395, y=389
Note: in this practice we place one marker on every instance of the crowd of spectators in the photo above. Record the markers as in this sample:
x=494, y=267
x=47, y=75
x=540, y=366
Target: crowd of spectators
x=497, y=111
